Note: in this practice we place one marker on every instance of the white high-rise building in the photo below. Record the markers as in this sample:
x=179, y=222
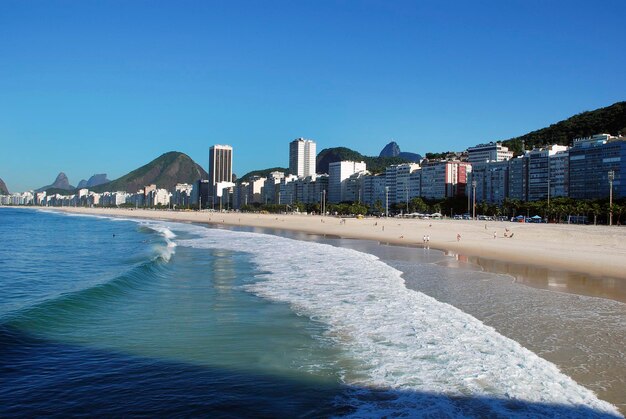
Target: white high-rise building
x=302, y=154
x=338, y=173
x=483, y=153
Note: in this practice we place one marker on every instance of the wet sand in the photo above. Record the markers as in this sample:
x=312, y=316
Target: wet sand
x=584, y=336
x=586, y=260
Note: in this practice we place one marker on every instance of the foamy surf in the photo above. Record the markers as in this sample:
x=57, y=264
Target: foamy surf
x=407, y=343
x=165, y=252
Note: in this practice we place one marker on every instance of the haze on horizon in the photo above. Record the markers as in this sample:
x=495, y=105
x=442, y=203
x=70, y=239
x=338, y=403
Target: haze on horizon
x=105, y=87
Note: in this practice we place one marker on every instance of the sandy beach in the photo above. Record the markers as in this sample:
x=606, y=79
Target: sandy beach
x=599, y=251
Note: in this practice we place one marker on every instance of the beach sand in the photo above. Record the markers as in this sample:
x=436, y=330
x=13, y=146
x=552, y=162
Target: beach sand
x=597, y=251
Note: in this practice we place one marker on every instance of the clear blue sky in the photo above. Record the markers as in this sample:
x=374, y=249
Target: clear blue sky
x=106, y=86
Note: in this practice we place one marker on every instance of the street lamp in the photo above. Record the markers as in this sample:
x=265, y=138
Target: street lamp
x=473, y=200
x=611, y=179
x=548, y=200
x=406, y=190
x=386, y=201
x=469, y=195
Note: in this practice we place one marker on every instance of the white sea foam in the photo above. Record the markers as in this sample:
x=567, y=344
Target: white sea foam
x=76, y=215
x=408, y=341
x=164, y=252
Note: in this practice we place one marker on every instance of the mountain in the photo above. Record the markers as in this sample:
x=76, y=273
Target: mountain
x=608, y=120
x=262, y=173
x=374, y=164
x=393, y=150
x=390, y=150
x=3, y=188
x=95, y=180
x=165, y=171
x=414, y=157
x=61, y=182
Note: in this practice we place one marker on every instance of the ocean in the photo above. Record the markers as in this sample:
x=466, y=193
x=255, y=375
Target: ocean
x=116, y=317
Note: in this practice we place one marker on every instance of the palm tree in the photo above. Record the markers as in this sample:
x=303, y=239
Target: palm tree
x=595, y=209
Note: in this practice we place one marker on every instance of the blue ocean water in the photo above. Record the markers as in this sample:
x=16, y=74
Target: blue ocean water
x=120, y=317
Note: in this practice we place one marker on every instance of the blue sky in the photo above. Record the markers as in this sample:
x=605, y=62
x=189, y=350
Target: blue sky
x=106, y=86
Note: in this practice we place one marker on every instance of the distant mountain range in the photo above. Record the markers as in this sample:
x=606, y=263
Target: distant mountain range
x=95, y=180
x=165, y=171
x=61, y=182
x=3, y=188
x=608, y=120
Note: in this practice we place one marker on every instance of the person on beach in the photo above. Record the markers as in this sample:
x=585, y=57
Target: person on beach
x=495, y=234
x=458, y=237
x=424, y=239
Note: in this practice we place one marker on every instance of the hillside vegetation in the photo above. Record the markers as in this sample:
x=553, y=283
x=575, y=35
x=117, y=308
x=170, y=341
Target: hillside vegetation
x=165, y=171
x=3, y=188
x=262, y=173
x=609, y=120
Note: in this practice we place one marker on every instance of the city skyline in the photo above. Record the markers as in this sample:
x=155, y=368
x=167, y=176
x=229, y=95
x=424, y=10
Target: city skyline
x=104, y=88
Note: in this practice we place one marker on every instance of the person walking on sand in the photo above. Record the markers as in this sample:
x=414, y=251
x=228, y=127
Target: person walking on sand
x=458, y=237
x=495, y=234
x=424, y=239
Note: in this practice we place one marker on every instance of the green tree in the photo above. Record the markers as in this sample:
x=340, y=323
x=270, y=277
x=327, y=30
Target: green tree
x=418, y=205
x=378, y=207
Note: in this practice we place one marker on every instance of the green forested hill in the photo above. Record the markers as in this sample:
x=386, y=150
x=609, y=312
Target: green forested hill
x=609, y=120
x=262, y=173
x=165, y=171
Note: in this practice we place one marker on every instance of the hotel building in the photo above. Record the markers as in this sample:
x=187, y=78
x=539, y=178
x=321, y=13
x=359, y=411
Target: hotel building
x=220, y=168
x=302, y=155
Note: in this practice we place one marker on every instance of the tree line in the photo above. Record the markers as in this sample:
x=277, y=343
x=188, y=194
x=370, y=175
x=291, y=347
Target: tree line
x=556, y=210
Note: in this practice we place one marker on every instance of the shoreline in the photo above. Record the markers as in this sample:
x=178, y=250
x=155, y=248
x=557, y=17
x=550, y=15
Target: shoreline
x=560, y=251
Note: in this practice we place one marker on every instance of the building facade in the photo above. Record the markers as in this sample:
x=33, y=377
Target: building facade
x=338, y=173
x=220, y=167
x=445, y=179
x=302, y=155
x=397, y=178
x=491, y=152
x=590, y=161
